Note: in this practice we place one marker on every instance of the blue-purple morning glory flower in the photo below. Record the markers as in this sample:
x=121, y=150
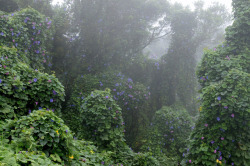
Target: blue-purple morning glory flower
x=0, y=81
x=219, y=98
x=54, y=92
x=130, y=80
x=2, y=33
x=35, y=80
x=218, y=118
x=51, y=100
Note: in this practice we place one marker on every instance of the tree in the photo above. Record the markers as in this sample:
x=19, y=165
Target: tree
x=189, y=30
x=221, y=134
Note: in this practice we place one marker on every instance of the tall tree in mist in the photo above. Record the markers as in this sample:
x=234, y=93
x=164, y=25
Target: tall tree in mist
x=177, y=74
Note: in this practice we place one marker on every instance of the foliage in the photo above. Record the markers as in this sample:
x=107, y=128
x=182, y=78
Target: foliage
x=35, y=158
x=100, y=107
x=90, y=155
x=131, y=96
x=222, y=133
x=217, y=63
x=238, y=34
x=8, y=6
x=41, y=131
x=24, y=89
x=144, y=159
x=43, y=7
x=29, y=32
x=168, y=133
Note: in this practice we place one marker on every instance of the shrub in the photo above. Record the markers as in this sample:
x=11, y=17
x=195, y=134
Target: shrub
x=102, y=120
x=9, y=158
x=42, y=131
x=130, y=96
x=168, y=133
x=222, y=133
x=29, y=32
x=90, y=155
x=144, y=159
x=23, y=89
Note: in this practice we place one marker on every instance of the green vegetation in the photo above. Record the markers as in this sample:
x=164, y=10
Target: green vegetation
x=77, y=88
x=221, y=134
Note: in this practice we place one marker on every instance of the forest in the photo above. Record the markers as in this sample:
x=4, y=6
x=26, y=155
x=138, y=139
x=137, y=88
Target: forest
x=124, y=83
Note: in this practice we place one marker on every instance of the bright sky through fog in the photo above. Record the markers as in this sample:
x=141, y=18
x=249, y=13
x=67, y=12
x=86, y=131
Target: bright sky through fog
x=227, y=3
x=188, y=2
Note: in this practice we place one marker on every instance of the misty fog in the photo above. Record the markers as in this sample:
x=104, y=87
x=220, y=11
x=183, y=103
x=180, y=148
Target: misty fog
x=124, y=83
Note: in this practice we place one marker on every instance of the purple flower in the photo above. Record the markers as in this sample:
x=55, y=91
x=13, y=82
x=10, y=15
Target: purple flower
x=51, y=100
x=190, y=161
x=106, y=97
x=130, y=80
x=35, y=80
x=67, y=131
x=232, y=115
x=218, y=118
x=226, y=107
x=2, y=33
x=219, y=98
x=102, y=162
x=212, y=142
x=206, y=124
x=215, y=151
x=54, y=92
x=0, y=81
x=222, y=138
